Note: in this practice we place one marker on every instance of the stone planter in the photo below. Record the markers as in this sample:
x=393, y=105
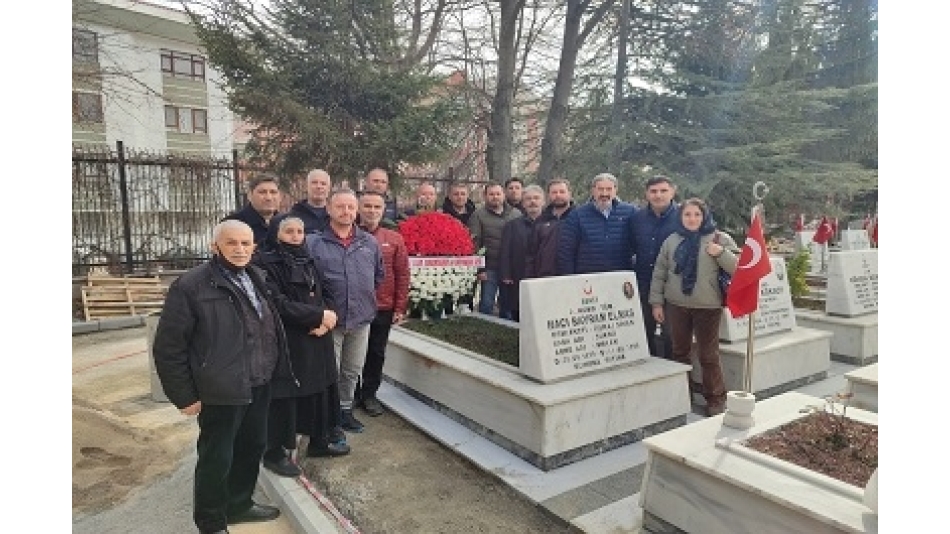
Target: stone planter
x=700, y=478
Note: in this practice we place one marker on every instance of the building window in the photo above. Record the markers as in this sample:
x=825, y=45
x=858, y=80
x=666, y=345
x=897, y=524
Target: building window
x=87, y=107
x=85, y=47
x=182, y=65
x=186, y=120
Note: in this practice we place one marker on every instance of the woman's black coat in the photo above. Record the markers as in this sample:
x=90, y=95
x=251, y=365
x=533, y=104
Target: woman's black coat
x=299, y=299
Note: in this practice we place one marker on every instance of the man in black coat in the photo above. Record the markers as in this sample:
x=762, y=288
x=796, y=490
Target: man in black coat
x=217, y=345
x=263, y=201
x=512, y=259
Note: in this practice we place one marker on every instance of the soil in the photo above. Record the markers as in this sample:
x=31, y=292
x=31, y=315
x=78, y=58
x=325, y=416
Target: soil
x=828, y=443
x=395, y=480
x=495, y=341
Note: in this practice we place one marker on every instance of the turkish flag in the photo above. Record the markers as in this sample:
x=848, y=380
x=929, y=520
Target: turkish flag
x=743, y=295
x=800, y=222
x=824, y=232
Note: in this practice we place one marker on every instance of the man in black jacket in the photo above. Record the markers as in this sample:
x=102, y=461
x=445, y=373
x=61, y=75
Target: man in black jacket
x=217, y=345
x=313, y=209
x=263, y=201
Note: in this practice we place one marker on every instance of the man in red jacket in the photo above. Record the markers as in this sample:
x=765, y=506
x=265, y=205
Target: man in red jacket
x=392, y=298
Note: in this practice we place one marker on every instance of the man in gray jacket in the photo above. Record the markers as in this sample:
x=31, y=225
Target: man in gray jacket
x=486, y=225
x=352, y=266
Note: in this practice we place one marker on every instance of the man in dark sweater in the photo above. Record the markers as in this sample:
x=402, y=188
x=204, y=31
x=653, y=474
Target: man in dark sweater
x=513, y=260
x=313, y=209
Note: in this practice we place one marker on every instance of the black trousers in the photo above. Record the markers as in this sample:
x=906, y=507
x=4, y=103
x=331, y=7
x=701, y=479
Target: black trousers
x=231, y=441
x=281, y=428
x=649, y=323
x=375, y=354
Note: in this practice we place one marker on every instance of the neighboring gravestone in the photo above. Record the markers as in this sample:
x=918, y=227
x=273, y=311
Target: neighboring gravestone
x=775, y=314
x=852, y=283
x=818, y=254
x=573, y=325
x=855, y=240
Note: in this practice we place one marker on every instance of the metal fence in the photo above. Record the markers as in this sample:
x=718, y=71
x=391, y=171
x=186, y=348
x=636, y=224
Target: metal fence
x=142, y=212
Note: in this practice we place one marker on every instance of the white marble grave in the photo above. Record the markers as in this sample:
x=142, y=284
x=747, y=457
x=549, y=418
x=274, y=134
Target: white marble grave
x=862, y=384
x=786, y=355
x=818, y=254
x=852, y=283
x=775, y=314
x=573, y=325
x=855, y=240
x=851, y=305
x=547, y=425
x=700, y=479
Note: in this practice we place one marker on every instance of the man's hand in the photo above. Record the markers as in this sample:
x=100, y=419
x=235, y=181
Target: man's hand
x=194, y=409
x=658, y=314
x=319, y=331
x=483, y=276
x=399, y=318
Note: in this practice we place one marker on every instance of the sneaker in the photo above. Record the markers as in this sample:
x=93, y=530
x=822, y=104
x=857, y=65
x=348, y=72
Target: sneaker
x=350, y=423
x=372, y=407
x=283, y=467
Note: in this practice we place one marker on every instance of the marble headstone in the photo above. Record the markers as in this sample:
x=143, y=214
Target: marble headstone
x=818, y=254
x=775, y=314
x=577, y=324
x=855, y=240
x=852, y=283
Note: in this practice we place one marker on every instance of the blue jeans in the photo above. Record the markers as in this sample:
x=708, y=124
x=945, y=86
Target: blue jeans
x=486, y=303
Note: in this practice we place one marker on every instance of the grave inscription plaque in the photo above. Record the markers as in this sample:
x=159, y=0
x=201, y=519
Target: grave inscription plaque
x=577, y=324
x=852, y=283
x=775, y=314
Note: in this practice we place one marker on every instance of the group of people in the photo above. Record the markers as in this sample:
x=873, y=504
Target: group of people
x=283, y=331
x=281, y=334
x=674, y=248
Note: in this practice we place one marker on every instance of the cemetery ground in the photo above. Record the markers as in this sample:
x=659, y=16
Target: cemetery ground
x=396, y=479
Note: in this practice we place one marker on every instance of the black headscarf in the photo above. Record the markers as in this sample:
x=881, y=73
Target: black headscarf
x=272, y=243
x=686, y=254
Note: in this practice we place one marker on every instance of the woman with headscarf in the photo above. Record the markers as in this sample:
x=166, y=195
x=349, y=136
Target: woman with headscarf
x=685, y=292
x=309, y=406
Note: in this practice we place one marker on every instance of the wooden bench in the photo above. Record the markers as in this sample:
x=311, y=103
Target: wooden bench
x=114, y=296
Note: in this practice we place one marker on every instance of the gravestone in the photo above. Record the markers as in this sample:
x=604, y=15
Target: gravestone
x=775, y=314
x=573, y=325
x=855, y=240
x=818, y=253
x=852, y=283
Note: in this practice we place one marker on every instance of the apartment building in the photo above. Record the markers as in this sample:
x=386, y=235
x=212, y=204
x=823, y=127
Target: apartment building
x=139, y=76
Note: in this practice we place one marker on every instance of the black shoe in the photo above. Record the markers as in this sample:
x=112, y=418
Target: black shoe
x=331, y=449
x=225, y=531
x=336, y=435
x=350, y=423
x=256, y=513
x=372, y=407
x=283, y=467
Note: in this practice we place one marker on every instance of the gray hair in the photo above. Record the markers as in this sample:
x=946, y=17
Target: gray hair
x=601, y=177
x=318, y=172
x=228, y=224
x=534, y=188
x=287, y=220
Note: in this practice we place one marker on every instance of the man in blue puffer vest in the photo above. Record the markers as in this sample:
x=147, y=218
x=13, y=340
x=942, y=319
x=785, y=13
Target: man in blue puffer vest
x=595, y=237
x=649, y=227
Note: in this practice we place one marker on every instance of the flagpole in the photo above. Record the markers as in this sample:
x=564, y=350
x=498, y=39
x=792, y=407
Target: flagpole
x=750, y=339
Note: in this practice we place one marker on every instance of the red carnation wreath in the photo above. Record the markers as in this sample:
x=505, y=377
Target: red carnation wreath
x=436, y=234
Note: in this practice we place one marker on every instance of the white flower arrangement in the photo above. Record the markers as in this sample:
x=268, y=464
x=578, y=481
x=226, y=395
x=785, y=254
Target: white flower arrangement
x=429, y=286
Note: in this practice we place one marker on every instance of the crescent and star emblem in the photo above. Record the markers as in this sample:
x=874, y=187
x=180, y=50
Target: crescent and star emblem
x=588, y=290
x=756, y=253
